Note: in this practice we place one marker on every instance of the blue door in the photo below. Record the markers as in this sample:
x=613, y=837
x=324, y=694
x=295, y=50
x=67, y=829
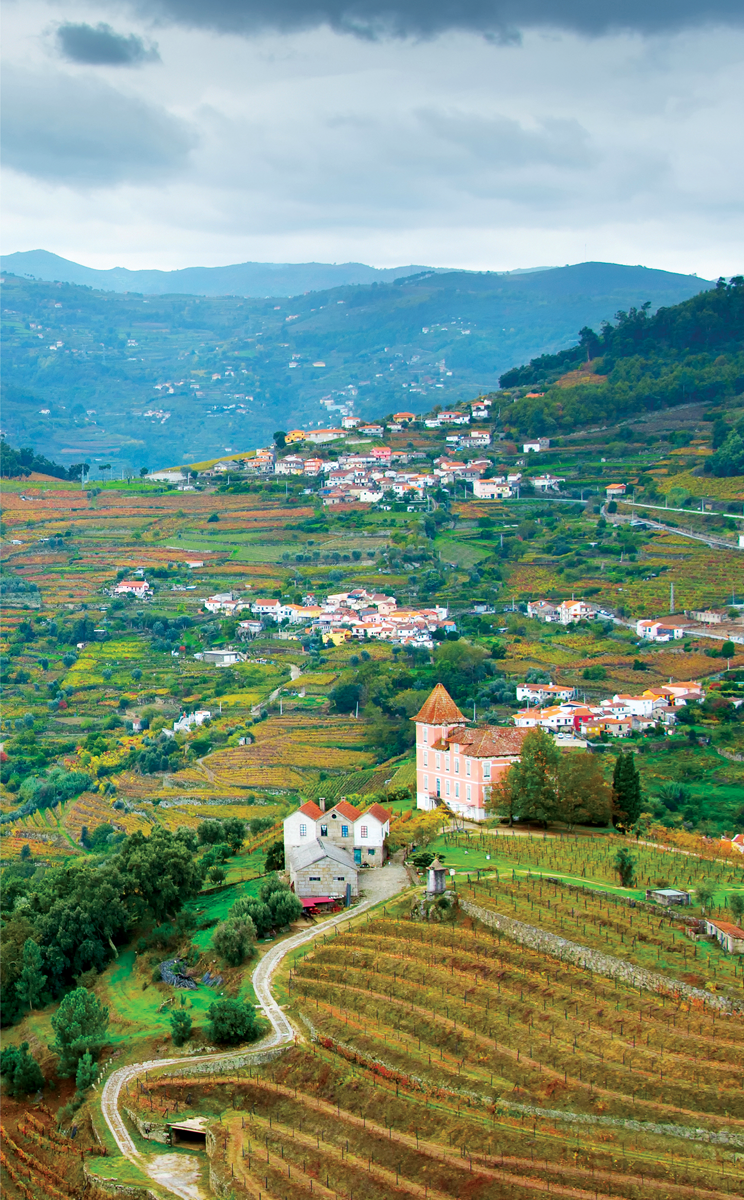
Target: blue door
x=358, y=856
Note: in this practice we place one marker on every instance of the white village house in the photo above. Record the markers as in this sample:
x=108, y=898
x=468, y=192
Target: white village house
x=324, y=850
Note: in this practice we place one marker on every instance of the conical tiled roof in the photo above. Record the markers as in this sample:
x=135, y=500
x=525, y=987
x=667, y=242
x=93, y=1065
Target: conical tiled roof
x=440, y=709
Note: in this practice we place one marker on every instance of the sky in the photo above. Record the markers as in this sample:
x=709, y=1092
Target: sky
x=484, y=134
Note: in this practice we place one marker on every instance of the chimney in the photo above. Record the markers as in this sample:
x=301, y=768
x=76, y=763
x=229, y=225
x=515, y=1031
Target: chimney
x=321, y=803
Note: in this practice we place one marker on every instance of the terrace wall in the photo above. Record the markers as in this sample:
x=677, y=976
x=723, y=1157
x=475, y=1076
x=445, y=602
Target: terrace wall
x=593, y=960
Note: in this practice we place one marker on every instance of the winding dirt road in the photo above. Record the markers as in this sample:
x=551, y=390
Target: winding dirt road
x=175, y=1173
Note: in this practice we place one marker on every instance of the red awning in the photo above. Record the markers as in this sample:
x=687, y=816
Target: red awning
x=311, y=901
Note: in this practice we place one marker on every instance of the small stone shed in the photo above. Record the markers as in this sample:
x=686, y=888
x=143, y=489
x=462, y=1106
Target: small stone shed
x=322, y=869
x=668, y=896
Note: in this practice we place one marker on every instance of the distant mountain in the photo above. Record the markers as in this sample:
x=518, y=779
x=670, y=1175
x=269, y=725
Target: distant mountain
x=143, y=380
x=241, y=279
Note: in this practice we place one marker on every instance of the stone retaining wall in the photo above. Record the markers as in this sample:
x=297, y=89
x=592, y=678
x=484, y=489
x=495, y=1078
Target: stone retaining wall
x=151, y=1130
x=594, y=960
x=113, y=1187
x=225, y=1066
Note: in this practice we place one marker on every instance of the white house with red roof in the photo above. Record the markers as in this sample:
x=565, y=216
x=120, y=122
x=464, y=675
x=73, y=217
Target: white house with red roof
x=133, y=587
x=361, y=833
x=458, y=766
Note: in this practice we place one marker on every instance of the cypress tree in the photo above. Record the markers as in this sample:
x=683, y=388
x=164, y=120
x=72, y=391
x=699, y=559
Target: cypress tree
x=626, y=792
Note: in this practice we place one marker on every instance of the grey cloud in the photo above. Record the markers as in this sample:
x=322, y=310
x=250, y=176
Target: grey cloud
x=100, y=45
x=82, y=132
x=504, y=143
x=498, y=20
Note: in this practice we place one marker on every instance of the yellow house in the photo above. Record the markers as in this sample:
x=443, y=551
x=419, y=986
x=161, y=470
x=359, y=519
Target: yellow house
x=337, y=637
x=294, y=435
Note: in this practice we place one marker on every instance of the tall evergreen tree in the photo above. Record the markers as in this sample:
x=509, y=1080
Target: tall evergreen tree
x=31, y=982
x=627, y=797
x=80, y=1025
x=20, y=1070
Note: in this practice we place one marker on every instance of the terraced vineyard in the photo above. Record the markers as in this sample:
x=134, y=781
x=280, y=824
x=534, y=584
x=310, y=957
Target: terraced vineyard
x=446, y=1061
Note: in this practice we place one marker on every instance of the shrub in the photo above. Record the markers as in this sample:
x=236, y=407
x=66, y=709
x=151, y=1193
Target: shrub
x=231, y=1022
x=80, y=1025
x=180, y=1023
x=234, y=939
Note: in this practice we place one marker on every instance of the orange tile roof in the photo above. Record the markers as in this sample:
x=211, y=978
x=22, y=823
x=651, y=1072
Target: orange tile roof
x=310, y=809
x=490, y=741
x=346, y=810
x=439, y=709
x=733, y=931
x=376, y=810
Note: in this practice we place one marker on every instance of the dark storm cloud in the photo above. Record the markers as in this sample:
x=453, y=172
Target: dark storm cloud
x=100, y=45
x=81, y=132
x=500, y=20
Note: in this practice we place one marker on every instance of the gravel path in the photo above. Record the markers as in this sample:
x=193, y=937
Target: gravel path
x=175, y=1173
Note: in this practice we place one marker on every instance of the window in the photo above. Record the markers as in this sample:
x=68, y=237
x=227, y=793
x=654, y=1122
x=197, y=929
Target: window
x=364, y=831
x=456, y=748
x=371, y=853
x=340, y=879
x=426, y=758
x=446, y=762
x=457, y=790
x=314, y=878
x=468, y=793
x=425, y=735
x=467, y=766
x=324, y=831
x=426, y=783
x=439, y=761
x=303, y=830
x=486, y=770
x=344, y=831
x=457, y=766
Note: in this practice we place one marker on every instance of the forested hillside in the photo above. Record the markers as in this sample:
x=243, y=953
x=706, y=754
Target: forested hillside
x=693, y=351
x=141, y=381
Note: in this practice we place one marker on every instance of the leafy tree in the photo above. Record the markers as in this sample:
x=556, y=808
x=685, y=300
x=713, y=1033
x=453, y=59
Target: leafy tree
x=346, y=696
x=285, y=907
x=20, y=1070
x=235, y=939
x=258, y=911
x=627, y=798
x=736, y=905
x=31, y=983
x=275, y=857
x=180, y=1024
x=86, y=1073
x=209, y=833
x=531, y=786
x=217, y=873
x=233, y=831
x=160, y=873
x=583, y=796
x=80, y=1025
x=231, y=1022
x=705, y=892
x=624, y=864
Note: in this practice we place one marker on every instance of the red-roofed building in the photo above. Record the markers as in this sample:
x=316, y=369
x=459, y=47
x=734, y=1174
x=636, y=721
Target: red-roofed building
x=361, y=834
x=459, y=766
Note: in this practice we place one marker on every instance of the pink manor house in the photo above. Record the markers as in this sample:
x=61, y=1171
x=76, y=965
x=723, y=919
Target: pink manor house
x=458, y=766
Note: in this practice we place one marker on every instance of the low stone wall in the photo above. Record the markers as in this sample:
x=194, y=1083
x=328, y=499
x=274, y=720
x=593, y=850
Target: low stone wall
x=594, y=960
x=113, y=1187
x=149, y=1129
x=226, y=1066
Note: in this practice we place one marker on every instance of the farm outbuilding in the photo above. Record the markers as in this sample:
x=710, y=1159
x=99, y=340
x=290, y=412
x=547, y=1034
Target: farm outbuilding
x=668, y=896
x=322, y=869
